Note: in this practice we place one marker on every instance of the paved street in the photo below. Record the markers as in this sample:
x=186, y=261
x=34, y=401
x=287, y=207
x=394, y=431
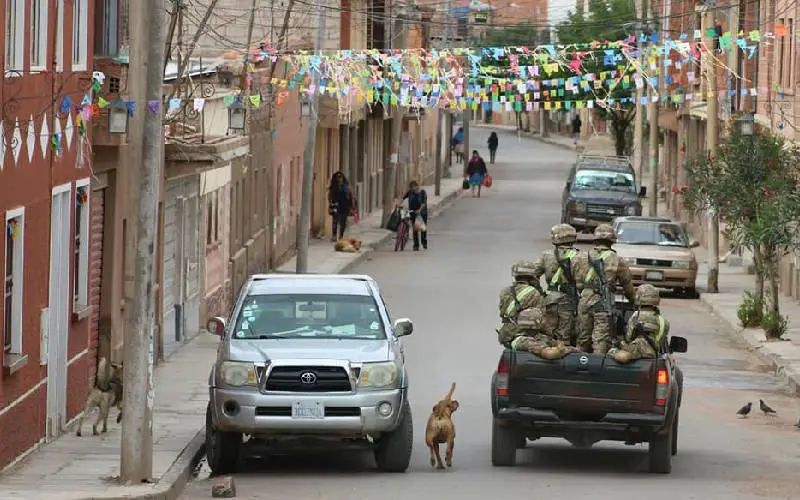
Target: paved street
x=451, y=292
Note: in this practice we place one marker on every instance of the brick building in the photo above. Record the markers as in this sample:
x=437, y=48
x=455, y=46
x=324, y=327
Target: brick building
x=48, y=250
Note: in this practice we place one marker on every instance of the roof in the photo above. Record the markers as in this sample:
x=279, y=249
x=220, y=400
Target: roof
x=332, y=284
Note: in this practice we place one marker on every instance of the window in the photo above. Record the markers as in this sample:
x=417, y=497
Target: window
x=15, y=34
x=80, y=264
x=212, y=223
x=12, y=281
x=39, y=34
x=109, y=31
x=80, y=33
x=60, y=36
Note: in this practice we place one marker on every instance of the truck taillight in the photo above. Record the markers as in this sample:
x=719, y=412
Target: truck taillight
x=662, y=387
x=501, y=381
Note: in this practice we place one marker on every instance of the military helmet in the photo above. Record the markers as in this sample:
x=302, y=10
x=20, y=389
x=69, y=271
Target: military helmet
x=647, y=295
x=523, y=268
x=562, y=234
x=605, y=232
x=530, y=318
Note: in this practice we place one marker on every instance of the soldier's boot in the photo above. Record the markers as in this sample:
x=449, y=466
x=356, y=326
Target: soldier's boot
x=552, y=353
x=600, y=347
x=622, y=356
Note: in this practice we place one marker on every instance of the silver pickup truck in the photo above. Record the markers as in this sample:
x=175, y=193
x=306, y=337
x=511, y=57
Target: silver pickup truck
x=309, y=356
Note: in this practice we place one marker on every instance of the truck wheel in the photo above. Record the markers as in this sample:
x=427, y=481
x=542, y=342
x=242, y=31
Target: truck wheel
x=222, y=448
x=504, y=445
x=393, y=452
x=675, y=435
x=660, y=452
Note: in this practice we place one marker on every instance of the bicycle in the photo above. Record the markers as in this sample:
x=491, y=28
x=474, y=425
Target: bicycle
x=401, y=237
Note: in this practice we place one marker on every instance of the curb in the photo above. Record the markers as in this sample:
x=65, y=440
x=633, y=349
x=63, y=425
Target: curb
x=789, y=375
x=366, y=253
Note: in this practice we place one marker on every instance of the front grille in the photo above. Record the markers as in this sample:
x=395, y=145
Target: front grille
x=654, y=262
x=606, y=210
x=297, y=379
x=286, y=411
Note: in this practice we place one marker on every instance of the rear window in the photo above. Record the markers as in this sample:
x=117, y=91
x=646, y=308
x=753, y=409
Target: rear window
x=309, y=316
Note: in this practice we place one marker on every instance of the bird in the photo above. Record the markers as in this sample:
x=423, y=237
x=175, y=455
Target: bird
x=765, y=408
x=798, y=423
x=745, y=410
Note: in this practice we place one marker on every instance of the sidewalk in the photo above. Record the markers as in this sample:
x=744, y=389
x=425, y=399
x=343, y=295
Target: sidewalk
x=597, y=143
x=782, y=356
x=73, y=468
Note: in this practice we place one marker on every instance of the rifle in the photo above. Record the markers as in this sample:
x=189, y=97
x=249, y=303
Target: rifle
x=605, y=298
x=639, y=331
x=566, y=268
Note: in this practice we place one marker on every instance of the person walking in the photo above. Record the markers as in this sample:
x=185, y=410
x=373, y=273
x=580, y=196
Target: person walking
x=493, y=142
x=457, y=144
x=418, y=206
x=475, y=173
x=341, y=204
x=576, y=129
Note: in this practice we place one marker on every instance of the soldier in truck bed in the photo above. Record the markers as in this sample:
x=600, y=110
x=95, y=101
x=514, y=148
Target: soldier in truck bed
x=522, y=294
x=647, y=329
x=597, y=271
x=556, y=266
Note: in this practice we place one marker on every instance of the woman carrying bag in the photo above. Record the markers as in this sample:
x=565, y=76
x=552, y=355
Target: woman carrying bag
x=341, y=205
x=475, y=173
x=418, y=206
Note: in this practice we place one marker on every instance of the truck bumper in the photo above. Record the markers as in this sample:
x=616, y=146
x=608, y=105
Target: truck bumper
x=255, y=413
x=611, y=421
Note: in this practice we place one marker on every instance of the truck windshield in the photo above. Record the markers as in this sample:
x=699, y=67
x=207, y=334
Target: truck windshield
x=603, y=180
x=652, y=233
x=309, y=316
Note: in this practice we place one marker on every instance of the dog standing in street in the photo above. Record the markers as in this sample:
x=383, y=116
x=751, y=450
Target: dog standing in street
x=440, y=429
x=106, y=393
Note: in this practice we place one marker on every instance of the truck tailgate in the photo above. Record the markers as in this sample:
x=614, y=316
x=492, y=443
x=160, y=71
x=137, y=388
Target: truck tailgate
x=582, y=384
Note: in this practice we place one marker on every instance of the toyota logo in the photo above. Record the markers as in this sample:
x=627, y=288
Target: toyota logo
x=308, y=377
x=583, y=360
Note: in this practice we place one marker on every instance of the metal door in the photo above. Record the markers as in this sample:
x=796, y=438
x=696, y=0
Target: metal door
x=58, y=310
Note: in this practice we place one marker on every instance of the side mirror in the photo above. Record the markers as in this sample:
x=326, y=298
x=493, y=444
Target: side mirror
x=403, y=327
x=642, y=191
x=216, y=326
x=694, y=243
x=569, y=185
x=678, y=344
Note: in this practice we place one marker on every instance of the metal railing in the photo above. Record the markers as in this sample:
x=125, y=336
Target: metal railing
x=621, y=161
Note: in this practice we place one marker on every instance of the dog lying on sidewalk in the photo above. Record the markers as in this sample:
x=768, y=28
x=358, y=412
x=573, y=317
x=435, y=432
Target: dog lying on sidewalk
x=106, y=393
x=440, y=429
x=348, y=245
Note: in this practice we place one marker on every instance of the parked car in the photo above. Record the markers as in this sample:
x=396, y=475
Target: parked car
x=310, y=356
x=587, y=398
x=658, y=251
x=598, y=189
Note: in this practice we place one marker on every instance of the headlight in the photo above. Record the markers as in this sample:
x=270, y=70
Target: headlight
x=238, y=373
x=378, y=375
x=681, y=264
x=631, y=210
x=629, y=260
x=579, y=207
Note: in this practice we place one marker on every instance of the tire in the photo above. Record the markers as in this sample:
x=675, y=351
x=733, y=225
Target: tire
x=690, y=293
x=393, y=451
x=660, y=452
x=675, y=435
x=401, y=238
x=222, y=448
x=504, y=445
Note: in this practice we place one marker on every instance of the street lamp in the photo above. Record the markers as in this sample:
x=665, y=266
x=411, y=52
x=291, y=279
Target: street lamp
x=237, y=115
x=747, y=125
x=118, y=117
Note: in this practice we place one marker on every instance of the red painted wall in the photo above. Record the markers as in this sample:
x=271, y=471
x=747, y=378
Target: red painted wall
x=28, y=182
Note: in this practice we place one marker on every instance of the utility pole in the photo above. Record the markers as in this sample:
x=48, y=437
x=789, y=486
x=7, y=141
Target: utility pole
x=440, y=118
x=136, y=451
x=653, y=120
x=465, y=118
x=390, y=172
x=638, y=120
x=304, y=225
x=712, y=134
x=733, y=59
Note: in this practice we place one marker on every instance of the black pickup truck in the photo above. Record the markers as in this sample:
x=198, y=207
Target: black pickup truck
x=586, y=398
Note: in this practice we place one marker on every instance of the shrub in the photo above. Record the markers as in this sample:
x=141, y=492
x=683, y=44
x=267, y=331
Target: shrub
x=750, y=310
x=774, y=324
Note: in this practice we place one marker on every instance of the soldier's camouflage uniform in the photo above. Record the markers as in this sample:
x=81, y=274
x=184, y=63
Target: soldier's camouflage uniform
x=515, y=298
x=594, y=313
x=561, y=280
x=653, y=328
x=535, y=324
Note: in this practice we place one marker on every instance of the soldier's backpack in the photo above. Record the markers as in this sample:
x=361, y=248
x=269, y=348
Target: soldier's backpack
x=511, y=299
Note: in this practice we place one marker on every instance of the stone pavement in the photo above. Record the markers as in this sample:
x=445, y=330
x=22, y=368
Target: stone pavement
x=782, y=355
x=73, y=468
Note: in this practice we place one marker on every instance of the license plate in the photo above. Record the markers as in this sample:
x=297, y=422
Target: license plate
x=654, y=276
x=313, y=410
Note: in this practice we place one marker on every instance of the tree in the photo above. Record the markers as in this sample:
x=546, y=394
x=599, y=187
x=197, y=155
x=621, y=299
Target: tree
x=754, y=185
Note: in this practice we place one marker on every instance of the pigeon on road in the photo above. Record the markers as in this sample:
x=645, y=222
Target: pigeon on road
x=765, y=408
x=745, y=410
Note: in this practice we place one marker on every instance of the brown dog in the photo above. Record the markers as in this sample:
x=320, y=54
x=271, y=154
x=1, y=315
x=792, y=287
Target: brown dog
x=348, y=245
x=440, y=429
